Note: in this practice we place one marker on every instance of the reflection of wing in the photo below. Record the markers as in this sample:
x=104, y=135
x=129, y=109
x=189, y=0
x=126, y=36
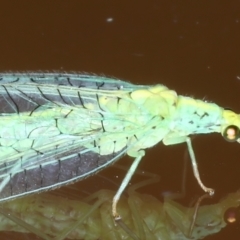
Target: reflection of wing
x=145, y=216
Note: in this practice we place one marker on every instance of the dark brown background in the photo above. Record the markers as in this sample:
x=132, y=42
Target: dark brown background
x=192, y=47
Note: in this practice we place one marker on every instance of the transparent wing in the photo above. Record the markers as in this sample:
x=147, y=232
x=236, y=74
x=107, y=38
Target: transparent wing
x=58, y=165
x=49, y=130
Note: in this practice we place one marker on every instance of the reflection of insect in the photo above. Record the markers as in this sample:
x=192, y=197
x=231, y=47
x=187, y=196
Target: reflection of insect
x=59, y=128
x=55, y=217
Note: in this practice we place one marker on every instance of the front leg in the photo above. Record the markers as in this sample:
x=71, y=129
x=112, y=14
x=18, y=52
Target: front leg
x=181, y=139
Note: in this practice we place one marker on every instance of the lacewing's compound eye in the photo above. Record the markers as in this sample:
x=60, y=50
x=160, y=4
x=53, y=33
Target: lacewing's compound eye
x=231, y=133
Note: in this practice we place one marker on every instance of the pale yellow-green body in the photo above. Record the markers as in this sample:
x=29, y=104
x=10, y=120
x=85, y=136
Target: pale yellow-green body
x=141, y=118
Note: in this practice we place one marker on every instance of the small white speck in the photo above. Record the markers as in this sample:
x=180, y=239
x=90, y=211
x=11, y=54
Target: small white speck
x=238, y=77
x=109, y=19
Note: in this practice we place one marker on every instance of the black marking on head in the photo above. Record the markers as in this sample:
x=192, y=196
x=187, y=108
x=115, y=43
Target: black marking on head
x=204, y=115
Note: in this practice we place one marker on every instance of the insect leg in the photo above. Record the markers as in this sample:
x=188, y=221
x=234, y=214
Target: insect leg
x=124, y=183
x=175, y=139
x=195, y=168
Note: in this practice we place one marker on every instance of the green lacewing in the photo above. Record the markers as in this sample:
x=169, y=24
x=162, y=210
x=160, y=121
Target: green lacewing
x=59, y=128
